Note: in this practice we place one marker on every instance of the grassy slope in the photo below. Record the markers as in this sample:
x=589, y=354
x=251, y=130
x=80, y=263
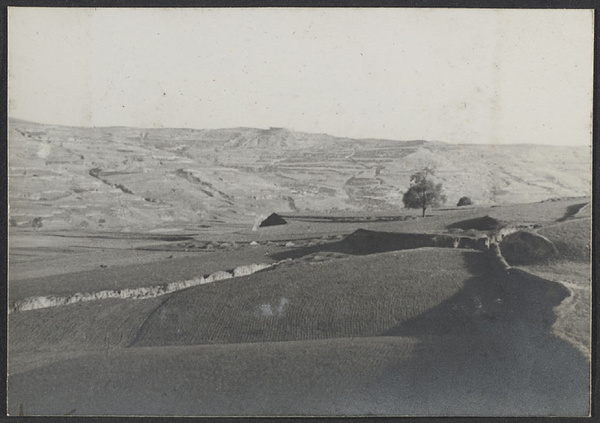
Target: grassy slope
x=96, y=325
x=358, y=296
x=572, y=238
x=136, y=275
x=365, y=296
x=484, y=345
x=484, y=351
x=572, y=269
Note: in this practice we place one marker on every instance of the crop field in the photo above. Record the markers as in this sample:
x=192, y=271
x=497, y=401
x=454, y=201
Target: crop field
x=333, y=314
x=311, y=300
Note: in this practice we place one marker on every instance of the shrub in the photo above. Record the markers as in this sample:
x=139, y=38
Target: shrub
x=464, y=201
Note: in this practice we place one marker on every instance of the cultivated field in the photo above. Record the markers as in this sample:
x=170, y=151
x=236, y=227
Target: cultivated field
x=348, y=313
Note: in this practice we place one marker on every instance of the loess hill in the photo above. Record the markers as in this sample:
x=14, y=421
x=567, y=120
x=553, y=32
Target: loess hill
x=127, y=178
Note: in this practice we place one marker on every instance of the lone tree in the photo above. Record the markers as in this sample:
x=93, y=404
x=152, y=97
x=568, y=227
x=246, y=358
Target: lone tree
x=423, y=192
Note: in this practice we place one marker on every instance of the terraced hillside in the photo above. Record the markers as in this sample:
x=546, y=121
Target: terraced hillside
x=127, y=178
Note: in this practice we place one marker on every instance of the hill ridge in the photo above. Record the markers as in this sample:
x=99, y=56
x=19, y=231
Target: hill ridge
x=243, y=175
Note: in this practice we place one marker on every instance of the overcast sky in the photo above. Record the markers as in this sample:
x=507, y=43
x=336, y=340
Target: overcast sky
x=461, y=76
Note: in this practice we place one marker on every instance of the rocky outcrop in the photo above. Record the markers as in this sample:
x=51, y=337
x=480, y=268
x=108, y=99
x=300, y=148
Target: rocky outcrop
x=524, y=247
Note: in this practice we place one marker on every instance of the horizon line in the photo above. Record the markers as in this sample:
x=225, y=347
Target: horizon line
x=271, y=128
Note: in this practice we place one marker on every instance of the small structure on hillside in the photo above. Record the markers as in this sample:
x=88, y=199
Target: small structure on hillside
x=273, y=220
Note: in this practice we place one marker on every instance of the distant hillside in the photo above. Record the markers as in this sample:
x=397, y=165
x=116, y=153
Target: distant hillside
x=125, y=178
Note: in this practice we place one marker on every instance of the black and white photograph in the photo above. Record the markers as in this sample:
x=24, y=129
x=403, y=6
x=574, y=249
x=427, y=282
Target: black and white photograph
x=271, y=212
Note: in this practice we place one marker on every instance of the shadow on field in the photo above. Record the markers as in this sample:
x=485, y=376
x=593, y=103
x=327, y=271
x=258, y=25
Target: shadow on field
x=488, y=350
x=485, y=223
x=331, y=247
x=349, y=219
x=572, y=210
x=365, y=242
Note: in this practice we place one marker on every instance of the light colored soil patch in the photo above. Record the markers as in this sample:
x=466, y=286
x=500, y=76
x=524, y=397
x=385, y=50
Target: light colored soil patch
x=139, y=293
x=574, y=314
x=572, y=239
